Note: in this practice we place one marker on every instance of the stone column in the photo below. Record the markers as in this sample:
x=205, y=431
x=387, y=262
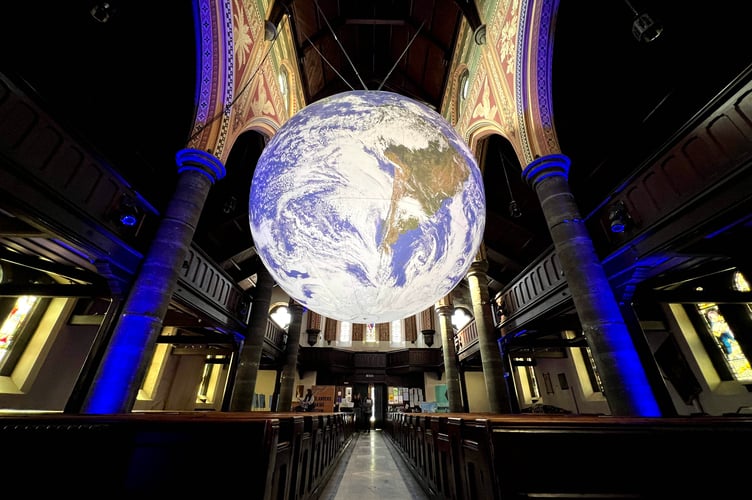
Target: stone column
x=451, y=370
x=230, y=385
x=287, y=378
x=509, y=380
x=490, y=355
x=133, y=341
x=250, y=355
x=625, y=384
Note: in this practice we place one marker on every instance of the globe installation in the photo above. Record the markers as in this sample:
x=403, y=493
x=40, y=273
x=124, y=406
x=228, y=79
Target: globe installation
x=367, y=207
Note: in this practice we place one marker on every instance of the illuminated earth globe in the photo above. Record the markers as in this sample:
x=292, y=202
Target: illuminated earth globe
x=367, y=207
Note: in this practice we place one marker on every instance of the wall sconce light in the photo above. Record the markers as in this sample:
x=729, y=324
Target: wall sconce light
x=128, y=219
x=127, y=213
x=428, y=336
x=313, y=336
x=618, y=217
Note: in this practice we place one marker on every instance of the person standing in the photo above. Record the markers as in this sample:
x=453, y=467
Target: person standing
x=366, y=409
x=357, y=413
x=308, y=403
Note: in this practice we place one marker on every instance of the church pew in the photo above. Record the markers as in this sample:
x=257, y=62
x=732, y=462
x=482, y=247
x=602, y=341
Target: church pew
x=514, y=457
x=267, y=454
x=138, y=453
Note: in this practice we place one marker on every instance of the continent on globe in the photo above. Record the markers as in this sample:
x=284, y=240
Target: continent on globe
x=367, y=207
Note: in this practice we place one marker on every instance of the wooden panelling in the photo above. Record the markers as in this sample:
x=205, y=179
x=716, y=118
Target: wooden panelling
x=705, y=155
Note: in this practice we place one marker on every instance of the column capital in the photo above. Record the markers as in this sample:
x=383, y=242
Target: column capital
x=200, y=161
x=294, y=304
x=556, y=165
x=445, y=310
x=478, y=267
x=446, y=300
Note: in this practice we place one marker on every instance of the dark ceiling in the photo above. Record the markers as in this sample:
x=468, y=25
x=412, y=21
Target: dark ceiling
x=126, y=86
x=398, y=46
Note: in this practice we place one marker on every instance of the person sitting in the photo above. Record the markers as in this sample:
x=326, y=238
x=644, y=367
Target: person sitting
x=307, y=403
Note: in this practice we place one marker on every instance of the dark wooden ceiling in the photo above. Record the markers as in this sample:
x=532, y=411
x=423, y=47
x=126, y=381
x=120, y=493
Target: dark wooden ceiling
x=394, y=45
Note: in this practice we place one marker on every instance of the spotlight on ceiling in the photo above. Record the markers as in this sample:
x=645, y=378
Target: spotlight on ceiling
x=645, y=29
x=102, y=12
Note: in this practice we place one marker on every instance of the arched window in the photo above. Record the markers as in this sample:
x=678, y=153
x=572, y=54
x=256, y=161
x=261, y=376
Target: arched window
x=725, y=340
x=21, y=317
x=281, y=316
x=460, y=318
x=345, y=334
x=284, y=86
x=396, y=338
x=461, y=92
x=370, y=336
x=464, y=85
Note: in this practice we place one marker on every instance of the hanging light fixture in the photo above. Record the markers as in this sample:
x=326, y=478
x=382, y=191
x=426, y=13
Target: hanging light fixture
x=514, y=210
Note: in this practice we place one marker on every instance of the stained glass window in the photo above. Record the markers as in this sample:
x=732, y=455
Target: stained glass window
x=281, y=316
x=737, y=362
x=345, y=333
x=395, y=338
x=460, y=318
x=370, y=332
x=740, y=282
x=14, y=333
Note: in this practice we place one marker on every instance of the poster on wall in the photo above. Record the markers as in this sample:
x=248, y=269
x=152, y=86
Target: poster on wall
x=324, y=395
x=394, y=396
x=442, y=401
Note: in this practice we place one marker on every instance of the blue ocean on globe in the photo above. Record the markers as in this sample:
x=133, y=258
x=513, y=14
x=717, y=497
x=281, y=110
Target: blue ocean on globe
x=367, y=207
